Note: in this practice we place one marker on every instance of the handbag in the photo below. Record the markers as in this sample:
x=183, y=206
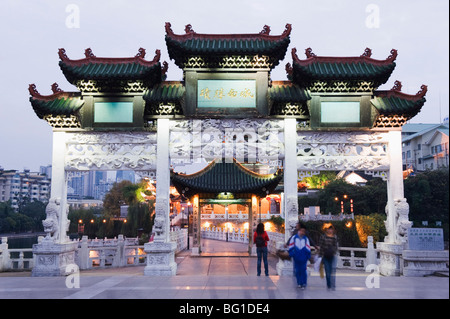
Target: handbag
x=321, y=270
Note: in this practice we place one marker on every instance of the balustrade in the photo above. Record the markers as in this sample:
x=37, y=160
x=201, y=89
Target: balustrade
x=116, y=252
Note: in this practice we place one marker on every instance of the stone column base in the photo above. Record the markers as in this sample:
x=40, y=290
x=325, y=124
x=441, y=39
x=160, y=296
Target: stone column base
x=52, y=259
x=418, y=263
x=160, y=259
x=390, y=259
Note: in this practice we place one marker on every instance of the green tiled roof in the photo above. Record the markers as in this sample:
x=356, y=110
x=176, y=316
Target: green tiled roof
x=362, y=68
x=181, y=47
x=59, y=103
x=165, y=92
x=394, y=102
x=111, y=69
x=286, y=91
x=220, y=177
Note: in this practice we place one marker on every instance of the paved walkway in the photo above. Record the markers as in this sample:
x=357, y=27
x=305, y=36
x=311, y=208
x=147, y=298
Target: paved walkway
x=215, y=277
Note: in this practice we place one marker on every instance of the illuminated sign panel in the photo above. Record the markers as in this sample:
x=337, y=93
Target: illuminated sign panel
x=113, y=112
x=226, y=93
x=339, y=112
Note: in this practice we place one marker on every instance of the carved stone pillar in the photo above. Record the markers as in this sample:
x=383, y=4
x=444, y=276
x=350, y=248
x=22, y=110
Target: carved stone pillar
x=161, y=252
x=397, y=211
x=55, y=252
x=290, y=203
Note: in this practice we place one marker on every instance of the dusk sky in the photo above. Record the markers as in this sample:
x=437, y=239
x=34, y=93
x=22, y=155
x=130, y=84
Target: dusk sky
x=32, y=32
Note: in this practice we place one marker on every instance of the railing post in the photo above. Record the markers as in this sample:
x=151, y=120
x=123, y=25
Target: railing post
x=4, y=257
x=371, y=254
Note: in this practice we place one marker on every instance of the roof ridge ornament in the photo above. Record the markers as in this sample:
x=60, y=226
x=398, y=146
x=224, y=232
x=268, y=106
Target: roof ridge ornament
x=62, y=54
x=265, y=30
x=308, y=52
x=141, y=53
x=367, y=53
x=287, y=29
x=188, y=29
x=33, y=91
x=168, y=28
x=55, y=88
x=392, y=56
x=423, y=91
x=397, y=86
x=88, y=53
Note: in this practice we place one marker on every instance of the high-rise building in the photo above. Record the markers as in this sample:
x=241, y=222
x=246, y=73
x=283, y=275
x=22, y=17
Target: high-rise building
x=15, y=186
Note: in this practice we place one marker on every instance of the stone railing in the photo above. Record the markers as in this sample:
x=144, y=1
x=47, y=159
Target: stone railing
x=223, y=234
x=307, y=217
x=91, y=253
x=18, y=259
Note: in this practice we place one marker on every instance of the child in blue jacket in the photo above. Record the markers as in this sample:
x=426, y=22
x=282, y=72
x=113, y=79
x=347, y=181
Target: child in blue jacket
x=300, y=251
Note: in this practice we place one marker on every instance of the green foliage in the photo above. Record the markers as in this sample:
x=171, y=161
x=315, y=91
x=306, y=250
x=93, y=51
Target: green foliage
x=320, y=180
x=28, y=219
x=371, y=225
x=427, y=194
x=139, y=219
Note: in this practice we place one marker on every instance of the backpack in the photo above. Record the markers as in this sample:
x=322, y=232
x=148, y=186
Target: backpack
x=259, y=240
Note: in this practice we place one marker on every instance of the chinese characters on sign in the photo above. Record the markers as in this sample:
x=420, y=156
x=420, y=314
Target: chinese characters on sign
x=425, y=238
x=226, y=93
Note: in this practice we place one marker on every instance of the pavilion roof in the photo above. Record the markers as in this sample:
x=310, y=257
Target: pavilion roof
x=113, y=69
x=325, y=68
x=219, y=177
x=183, y=46
x=58, y=103
x=396, y=102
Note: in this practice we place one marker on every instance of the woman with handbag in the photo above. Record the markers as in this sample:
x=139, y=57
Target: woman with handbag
x=328, y=249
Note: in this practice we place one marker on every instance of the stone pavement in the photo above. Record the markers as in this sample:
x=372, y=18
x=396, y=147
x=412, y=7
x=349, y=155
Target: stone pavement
x=214, y=277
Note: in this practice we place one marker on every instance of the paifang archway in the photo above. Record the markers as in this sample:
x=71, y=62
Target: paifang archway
x=328, y=115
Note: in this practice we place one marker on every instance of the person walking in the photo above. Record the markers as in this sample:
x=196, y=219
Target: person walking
x=328, y=249
x=260, y=239
x=300, y=251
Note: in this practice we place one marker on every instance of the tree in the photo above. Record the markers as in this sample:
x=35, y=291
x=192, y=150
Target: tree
x=115, y=198
x=35, y=210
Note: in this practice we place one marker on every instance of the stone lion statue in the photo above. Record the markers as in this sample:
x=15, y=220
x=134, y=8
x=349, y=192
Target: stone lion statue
x=51, y=222
x=158, y=226
x=403, y=223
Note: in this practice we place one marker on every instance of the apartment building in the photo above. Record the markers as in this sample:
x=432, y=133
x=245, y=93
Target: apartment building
x=425, y=146
x=15, y=185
